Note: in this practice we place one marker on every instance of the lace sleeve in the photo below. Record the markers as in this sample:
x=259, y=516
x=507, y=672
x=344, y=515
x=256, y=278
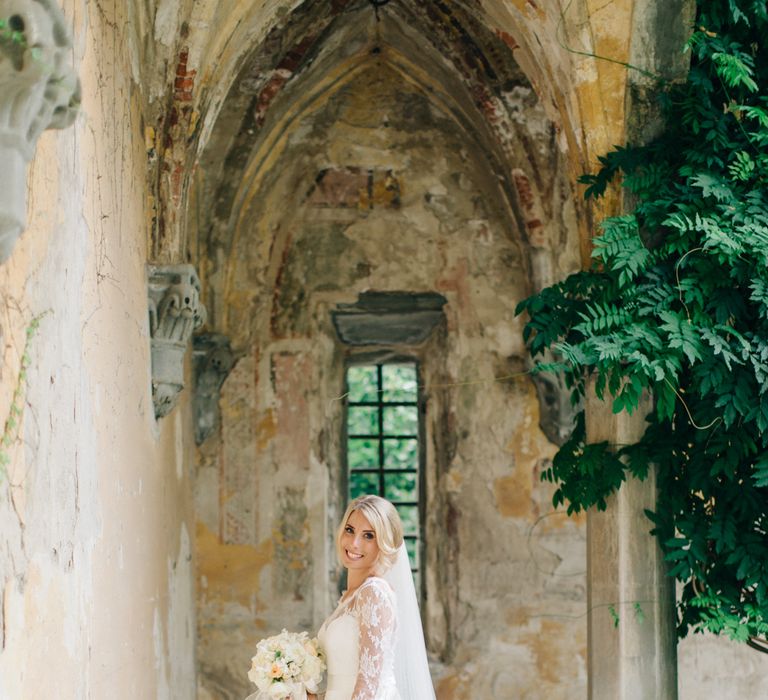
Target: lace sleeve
x=376, y=619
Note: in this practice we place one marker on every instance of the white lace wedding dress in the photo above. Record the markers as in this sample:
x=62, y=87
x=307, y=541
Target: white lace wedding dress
x=358, y=640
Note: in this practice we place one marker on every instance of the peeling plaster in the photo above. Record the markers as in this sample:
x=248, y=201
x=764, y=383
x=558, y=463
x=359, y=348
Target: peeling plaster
x=79, y=552
x=167, y=21
x=452, y=231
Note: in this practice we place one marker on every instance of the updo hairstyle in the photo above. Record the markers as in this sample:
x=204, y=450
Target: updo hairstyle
x=386, y=524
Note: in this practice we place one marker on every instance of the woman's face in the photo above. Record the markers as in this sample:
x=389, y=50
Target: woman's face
x=359, y=548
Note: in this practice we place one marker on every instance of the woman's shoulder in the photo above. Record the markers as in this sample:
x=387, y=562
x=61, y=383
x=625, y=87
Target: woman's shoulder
x=375, y=586
x=378, y=581
x=376, y=598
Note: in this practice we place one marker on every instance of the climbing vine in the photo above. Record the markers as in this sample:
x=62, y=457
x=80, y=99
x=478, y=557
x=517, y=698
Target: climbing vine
x=15, y=410
x=676, y=304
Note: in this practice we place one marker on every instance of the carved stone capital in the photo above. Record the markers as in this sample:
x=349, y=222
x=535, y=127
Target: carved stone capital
x=38, y=91
x=213, y=360
x=175, y=311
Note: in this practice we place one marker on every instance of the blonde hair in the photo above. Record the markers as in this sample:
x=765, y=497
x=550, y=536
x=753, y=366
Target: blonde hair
x=386, y=524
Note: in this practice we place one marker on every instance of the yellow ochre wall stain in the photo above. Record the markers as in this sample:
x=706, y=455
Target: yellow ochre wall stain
x=230, y=571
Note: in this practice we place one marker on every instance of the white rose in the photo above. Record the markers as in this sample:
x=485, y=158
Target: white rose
x=257, y=676
x=279, y=691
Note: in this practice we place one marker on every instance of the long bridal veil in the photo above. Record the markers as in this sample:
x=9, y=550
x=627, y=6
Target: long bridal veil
x=411, y=666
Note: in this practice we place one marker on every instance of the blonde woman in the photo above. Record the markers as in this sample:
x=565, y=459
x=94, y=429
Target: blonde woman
x=373, y=641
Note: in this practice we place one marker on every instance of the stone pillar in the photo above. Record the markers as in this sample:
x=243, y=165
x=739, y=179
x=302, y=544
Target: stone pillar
x=630, y=599
x=636, y=658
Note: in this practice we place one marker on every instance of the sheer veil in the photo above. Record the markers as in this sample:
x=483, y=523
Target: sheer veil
x=411, y=666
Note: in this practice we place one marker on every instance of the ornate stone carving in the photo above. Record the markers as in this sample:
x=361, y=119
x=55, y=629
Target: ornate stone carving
x=38, y=91
x=213, y=360
x=175, y=311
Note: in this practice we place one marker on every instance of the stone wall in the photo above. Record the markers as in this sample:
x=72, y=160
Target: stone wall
x=326, y=169
x=395, y=199
x=294, y=214
x=96, y=553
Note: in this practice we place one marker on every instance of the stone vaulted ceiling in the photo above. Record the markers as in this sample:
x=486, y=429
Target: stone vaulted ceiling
x=465, y=66
x=466, y=71
x=240, y=70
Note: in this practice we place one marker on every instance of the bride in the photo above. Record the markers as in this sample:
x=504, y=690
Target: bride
x=373, y=642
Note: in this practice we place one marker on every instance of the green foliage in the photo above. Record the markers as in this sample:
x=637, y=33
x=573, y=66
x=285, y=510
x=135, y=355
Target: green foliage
x=676, y=304
x=16, y=409
x=614, y=615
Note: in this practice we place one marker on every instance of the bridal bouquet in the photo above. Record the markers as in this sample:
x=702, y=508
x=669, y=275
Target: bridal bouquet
x=287, y=665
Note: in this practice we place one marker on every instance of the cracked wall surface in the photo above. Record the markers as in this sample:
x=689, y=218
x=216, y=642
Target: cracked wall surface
x=314, y=186
x=95, y=556
x=268, y=144
x=379, y=189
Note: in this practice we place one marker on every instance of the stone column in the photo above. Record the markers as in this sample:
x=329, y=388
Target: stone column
x=635, y=658
x=631, y=624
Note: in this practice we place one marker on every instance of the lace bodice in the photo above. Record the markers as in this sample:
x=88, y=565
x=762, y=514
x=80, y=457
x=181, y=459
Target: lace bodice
x=358, y=640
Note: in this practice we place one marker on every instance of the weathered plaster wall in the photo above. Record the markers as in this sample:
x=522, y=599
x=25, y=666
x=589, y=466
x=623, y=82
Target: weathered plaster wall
x=95, y=556
x=573, y=56
x=713, y=666
x=377, y=188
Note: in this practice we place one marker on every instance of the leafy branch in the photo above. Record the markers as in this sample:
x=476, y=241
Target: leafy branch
x=676, y=304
